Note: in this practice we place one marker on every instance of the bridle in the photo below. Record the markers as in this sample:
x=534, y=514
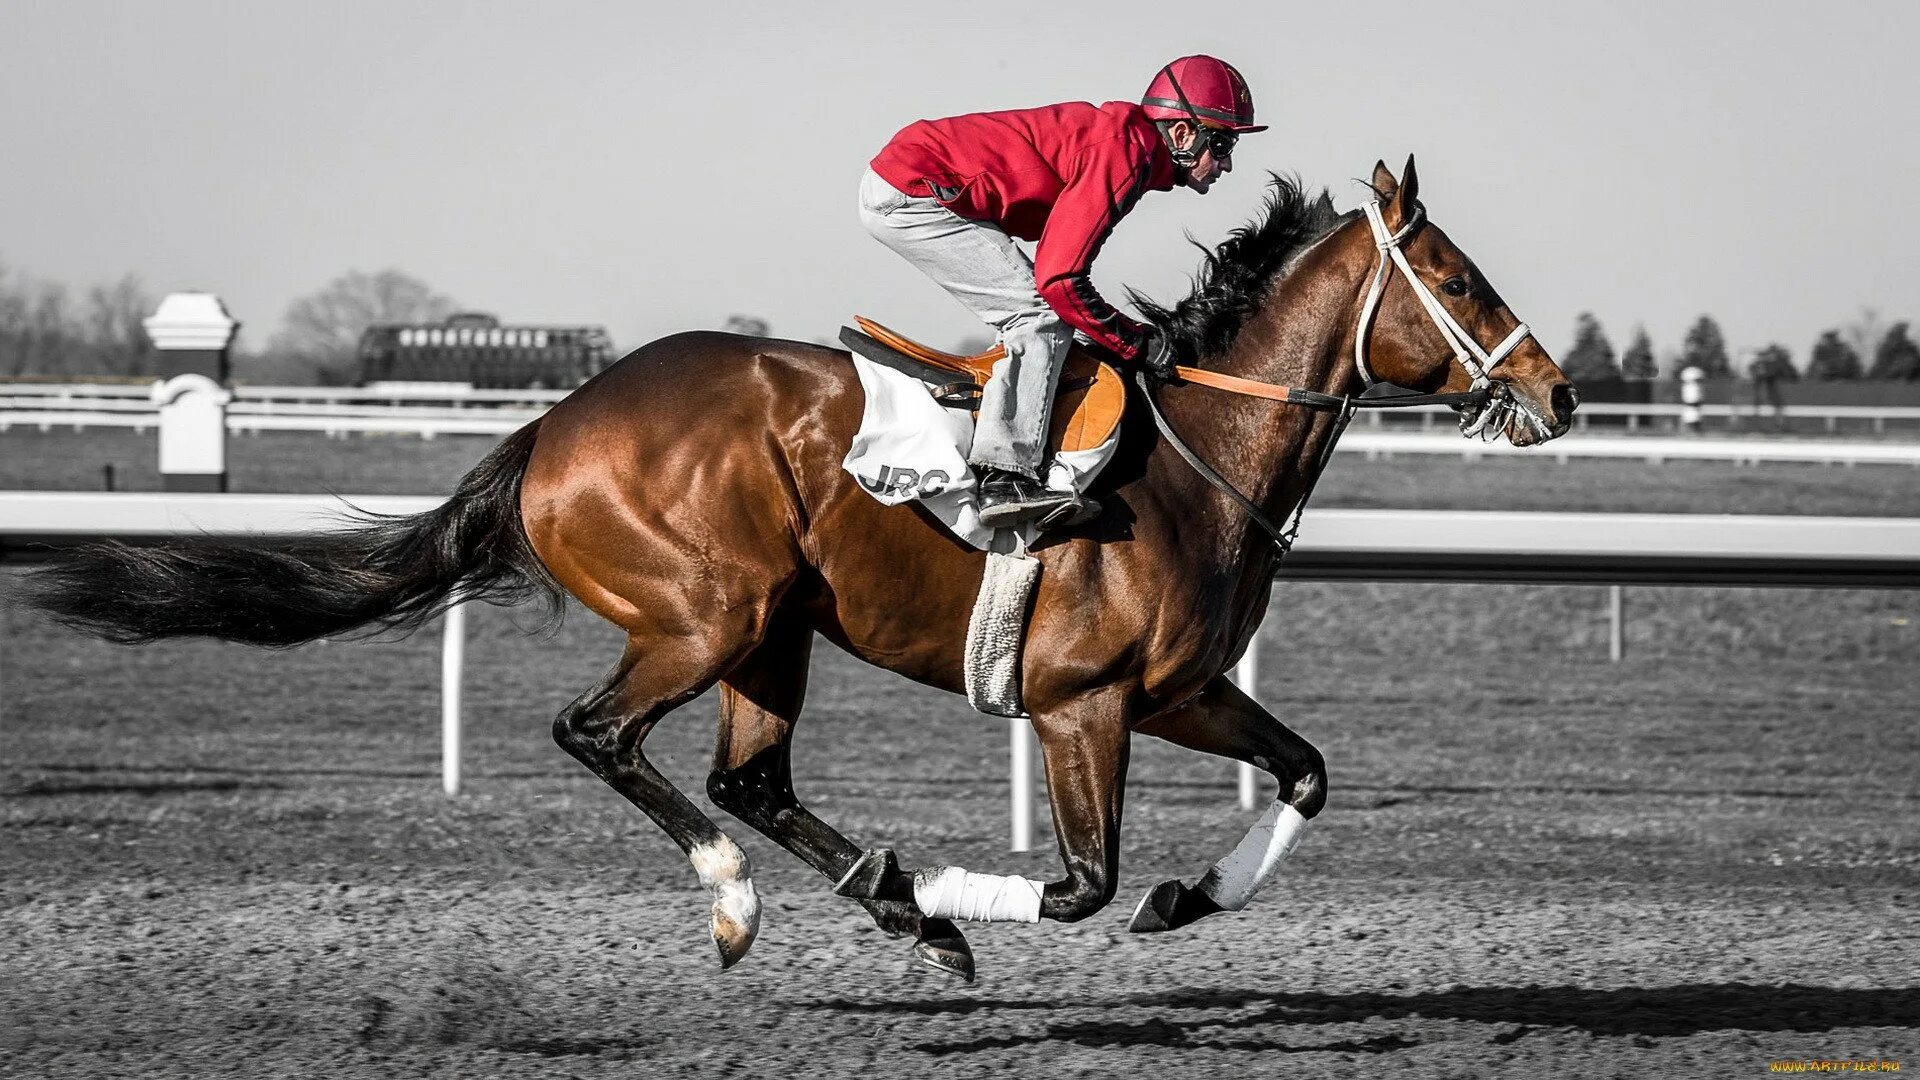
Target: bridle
x=1486, y=397
x=1477, y=361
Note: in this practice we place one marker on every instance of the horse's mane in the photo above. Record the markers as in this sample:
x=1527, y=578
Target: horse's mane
x=1234, y=277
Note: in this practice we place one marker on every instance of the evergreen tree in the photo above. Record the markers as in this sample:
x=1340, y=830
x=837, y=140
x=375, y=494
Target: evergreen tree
x=1638, y=363
x=1773, y=362
x=1833, y=359
x=1897, y=357
x=1706, y=349
x=1591, y=358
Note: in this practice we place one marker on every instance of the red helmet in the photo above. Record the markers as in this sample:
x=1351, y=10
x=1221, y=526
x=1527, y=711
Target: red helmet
x=1203, y=89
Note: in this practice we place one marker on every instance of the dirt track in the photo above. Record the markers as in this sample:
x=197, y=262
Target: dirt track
x=224, y=863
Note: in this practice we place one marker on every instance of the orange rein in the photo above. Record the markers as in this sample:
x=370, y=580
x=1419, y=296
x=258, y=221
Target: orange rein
x=1233, y=384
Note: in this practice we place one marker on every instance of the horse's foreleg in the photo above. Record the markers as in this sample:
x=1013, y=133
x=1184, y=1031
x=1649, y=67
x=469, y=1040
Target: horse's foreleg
x=1225, y=721
x=752, y=780
x=1084, y=746
x=604, y=729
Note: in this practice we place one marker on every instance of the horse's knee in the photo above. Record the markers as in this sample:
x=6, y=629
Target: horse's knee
x=1086, y=890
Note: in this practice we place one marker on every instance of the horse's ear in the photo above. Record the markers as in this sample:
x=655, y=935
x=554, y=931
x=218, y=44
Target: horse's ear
x=1384, y=185
x=1399, y=205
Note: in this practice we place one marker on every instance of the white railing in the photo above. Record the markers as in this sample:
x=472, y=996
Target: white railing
x=1722, y=549
x=1635, y=415
x=450, y=393
x=87, y=401
x=1650, y=448
x=429, y=422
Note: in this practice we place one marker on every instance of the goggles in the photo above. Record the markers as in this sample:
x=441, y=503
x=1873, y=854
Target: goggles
x=1220, y=140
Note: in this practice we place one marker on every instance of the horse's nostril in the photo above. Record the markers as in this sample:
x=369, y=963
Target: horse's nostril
x=1564, y=399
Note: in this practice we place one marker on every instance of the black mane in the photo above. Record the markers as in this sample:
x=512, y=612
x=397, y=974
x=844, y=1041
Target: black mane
x=1234, y=277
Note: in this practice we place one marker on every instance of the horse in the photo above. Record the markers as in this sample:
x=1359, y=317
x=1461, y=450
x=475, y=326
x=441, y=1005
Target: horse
x=692, y=495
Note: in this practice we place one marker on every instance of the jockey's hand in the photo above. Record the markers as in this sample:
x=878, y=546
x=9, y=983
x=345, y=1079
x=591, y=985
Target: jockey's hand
x=1156, y=353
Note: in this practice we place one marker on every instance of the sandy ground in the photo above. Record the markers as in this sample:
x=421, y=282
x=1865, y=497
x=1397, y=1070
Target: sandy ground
x=218, y=862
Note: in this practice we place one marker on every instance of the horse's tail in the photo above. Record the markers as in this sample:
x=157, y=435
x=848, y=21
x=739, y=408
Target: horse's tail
x=380, y=574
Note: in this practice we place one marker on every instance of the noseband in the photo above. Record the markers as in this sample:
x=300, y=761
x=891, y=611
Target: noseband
x=1476, y=361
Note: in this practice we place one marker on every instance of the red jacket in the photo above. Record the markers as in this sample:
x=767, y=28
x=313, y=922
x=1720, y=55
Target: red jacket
x=1063, y=175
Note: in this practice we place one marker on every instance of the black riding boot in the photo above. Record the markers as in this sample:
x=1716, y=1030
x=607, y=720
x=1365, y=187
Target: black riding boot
x=1009, y=498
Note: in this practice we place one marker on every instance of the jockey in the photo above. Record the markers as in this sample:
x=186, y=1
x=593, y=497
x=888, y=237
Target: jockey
x=950, y=195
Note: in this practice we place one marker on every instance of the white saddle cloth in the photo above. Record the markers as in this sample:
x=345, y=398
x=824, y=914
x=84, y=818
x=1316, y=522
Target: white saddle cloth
x=910, y=447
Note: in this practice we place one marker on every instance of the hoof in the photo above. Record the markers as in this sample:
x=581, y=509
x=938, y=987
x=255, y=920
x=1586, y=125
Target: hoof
x=874, y=876
x=1169, y=906
x=736, y=921
x=941, y=946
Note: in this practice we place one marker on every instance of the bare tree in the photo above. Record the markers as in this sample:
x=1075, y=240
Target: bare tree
x=13, y=323
x=113, y=328
x=49, y=338
x=323, y=329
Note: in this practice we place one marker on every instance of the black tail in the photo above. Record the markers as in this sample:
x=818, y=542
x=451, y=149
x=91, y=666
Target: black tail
x=383, y=574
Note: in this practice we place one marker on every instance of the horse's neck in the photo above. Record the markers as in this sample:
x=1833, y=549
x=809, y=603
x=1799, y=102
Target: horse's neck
x=1267, y=450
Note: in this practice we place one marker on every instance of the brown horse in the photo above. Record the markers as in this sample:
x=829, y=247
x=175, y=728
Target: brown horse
x=692, y=495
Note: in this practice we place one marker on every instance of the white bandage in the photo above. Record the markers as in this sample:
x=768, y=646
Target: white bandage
x=1234, y=879
x=948, y=892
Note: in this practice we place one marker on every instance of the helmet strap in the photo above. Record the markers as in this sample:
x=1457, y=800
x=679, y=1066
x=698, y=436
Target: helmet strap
x=1185, y=159
x=1189, y=157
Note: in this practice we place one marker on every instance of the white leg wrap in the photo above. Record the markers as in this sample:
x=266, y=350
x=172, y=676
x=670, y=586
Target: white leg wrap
x=1234, y=879
x=948, y=892
x=724, y=870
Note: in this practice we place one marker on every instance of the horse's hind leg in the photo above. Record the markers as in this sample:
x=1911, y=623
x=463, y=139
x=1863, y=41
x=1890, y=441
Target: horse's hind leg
x=1225, y=721
x=604, y=729
x=1084, y=745
x=752, y=780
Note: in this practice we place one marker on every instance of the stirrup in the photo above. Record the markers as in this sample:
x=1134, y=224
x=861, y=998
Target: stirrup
x=1078, y=510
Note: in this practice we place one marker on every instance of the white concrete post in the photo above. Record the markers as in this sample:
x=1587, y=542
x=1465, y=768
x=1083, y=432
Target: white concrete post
x=1691, y=395
x=192, y=332
x=453, y=658
x=1246, y=675
x=193, y=433
x=1020, y=778
x=1616, y=622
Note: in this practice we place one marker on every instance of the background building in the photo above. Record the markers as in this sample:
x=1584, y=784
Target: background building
x=474, y=349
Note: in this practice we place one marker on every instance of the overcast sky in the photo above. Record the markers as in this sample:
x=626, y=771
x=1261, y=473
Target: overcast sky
x=658, y=167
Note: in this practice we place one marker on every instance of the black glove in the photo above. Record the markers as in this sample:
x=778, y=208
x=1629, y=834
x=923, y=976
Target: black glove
x=1156, y=353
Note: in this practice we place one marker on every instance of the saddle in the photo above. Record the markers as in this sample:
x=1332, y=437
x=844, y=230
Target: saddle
x=1086, y=407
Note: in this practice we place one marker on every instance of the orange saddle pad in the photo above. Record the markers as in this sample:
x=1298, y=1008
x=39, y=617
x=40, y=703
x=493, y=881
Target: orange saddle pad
x=1086, y=408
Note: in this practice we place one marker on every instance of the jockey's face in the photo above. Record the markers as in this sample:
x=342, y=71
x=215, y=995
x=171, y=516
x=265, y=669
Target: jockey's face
x=1209, y=166
x=1208, y=169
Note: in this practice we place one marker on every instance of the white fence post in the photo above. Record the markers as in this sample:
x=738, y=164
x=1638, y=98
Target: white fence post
x=1616, y=622
x=1020, y=779
x=453, y=657
x=1247, y=676
x=192, y=332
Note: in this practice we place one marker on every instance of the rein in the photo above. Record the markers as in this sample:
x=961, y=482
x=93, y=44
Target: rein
x=1344, y=404
x=1467, y=352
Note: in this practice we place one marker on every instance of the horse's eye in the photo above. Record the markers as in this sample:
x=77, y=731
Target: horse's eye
x=1454, y=287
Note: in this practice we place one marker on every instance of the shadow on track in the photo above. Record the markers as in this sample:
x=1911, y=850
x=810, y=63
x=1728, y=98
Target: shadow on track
x=1168, y=1019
